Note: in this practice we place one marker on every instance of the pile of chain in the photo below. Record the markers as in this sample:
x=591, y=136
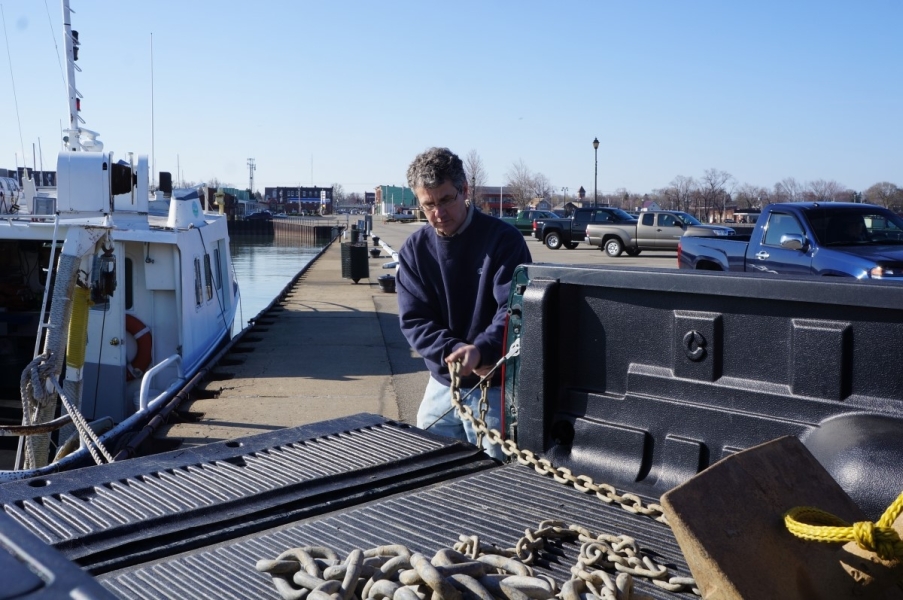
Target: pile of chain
x=582, y=483
x=472, y=570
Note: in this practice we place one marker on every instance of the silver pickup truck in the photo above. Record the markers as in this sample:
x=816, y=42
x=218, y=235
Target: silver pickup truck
x=654, y=230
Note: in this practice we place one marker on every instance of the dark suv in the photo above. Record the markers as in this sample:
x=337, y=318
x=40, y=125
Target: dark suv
x=263, y=215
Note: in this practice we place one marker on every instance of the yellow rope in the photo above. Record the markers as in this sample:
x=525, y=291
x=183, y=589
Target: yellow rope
x=819, y=526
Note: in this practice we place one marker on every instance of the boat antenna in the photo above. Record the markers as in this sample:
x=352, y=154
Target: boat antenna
x=59, y=60
x=153, y=152
x=13, y=80
x=72, y=137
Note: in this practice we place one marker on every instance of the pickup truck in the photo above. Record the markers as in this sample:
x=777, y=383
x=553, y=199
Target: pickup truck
x=630, y=378
x=525, y=218
x=654, y=230
x=831, y=239
x=556, y=233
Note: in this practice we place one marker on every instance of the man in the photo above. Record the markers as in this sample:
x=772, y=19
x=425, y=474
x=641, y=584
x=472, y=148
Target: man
x=453, y=281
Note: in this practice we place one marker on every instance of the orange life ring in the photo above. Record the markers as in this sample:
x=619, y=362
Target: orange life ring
x=145, y=341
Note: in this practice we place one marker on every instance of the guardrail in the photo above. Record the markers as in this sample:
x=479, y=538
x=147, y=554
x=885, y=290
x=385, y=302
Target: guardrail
x=143, y=402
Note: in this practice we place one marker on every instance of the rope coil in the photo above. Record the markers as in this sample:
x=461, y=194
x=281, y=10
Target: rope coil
x=816, y=525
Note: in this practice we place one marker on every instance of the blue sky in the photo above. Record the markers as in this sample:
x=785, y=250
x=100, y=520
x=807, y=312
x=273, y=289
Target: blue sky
x=337, y=91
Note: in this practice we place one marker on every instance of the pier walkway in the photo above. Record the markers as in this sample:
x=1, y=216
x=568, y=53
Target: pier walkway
x=329, y=349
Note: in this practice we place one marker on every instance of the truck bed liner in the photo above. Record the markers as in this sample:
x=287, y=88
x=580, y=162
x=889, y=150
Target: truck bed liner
x=497, y=505
x=114, y=515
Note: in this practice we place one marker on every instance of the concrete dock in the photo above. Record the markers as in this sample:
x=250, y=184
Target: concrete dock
x=330, y=348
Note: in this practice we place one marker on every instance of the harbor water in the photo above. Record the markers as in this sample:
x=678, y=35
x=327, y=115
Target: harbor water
x=263, y=266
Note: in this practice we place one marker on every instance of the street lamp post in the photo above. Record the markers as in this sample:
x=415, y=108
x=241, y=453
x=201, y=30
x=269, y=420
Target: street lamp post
x=564, y=192
x=596, y=179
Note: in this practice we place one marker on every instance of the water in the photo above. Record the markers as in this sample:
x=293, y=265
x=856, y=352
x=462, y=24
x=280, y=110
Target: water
x=263, y=266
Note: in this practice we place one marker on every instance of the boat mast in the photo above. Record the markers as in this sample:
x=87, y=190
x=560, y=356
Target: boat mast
x=72, y=137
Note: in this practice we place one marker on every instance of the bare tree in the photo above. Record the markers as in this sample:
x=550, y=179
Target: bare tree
x=476, y=174
x=683, y=191
x=751, y=196
x=715, y=189
x=354, y=198
x=824, y=191
x=542, y=187
x=665, y=197
x=338, y=193
x=788, y=190
x=885, y=194
x=519, y=183
x=849, y=195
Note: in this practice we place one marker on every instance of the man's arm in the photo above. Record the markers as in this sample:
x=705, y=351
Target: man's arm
x=510, y=254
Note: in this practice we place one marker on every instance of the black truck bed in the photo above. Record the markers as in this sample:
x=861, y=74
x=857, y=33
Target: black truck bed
x=193, y=524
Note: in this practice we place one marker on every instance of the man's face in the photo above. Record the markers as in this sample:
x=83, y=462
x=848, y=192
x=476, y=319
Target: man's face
x=443, y=206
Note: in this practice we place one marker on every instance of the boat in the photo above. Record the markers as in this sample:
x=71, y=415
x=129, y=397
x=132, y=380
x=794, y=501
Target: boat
x=107, y=308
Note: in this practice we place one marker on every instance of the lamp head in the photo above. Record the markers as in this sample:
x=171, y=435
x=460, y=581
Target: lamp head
x=596, y=144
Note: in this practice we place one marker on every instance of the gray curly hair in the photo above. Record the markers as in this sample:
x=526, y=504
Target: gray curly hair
x=432, y=168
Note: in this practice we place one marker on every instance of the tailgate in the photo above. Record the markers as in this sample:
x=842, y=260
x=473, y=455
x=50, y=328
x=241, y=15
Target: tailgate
x=193, y=524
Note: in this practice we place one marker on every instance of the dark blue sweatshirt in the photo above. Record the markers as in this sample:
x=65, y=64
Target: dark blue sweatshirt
x=454, y=290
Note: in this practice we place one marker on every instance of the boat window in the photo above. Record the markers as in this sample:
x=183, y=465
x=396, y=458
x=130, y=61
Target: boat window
x=218, y=277
x=197, y=282
x=208, y=276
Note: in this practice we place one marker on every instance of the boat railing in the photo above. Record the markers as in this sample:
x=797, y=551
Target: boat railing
x=143, y=402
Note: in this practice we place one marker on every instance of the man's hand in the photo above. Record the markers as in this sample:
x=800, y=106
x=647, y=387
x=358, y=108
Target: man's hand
x=469, y=357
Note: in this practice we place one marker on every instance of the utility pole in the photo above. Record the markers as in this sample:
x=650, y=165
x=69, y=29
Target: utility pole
x=251, y=168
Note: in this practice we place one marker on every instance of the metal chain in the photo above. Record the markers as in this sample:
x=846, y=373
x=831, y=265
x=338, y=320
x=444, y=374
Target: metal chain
x=605, y=569
x=582, y=483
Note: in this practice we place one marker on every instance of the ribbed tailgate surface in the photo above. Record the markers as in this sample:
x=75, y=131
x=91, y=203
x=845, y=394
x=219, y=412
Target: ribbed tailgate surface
x=497, y=505
x=193, y=493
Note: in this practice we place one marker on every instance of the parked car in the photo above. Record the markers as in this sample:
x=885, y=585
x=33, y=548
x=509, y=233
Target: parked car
x=556, y=233
x=655, y=230
x=263, y=215
x=525, y=218
x=831, y=239
x=399, y=218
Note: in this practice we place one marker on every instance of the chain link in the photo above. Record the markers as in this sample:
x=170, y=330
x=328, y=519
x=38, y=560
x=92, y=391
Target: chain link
x=582, y=483
x=605, y=569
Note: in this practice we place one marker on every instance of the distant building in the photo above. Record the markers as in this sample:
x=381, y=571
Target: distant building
x=394, y=200
x=488, y=198
x=299, y=200
x=540, y=204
